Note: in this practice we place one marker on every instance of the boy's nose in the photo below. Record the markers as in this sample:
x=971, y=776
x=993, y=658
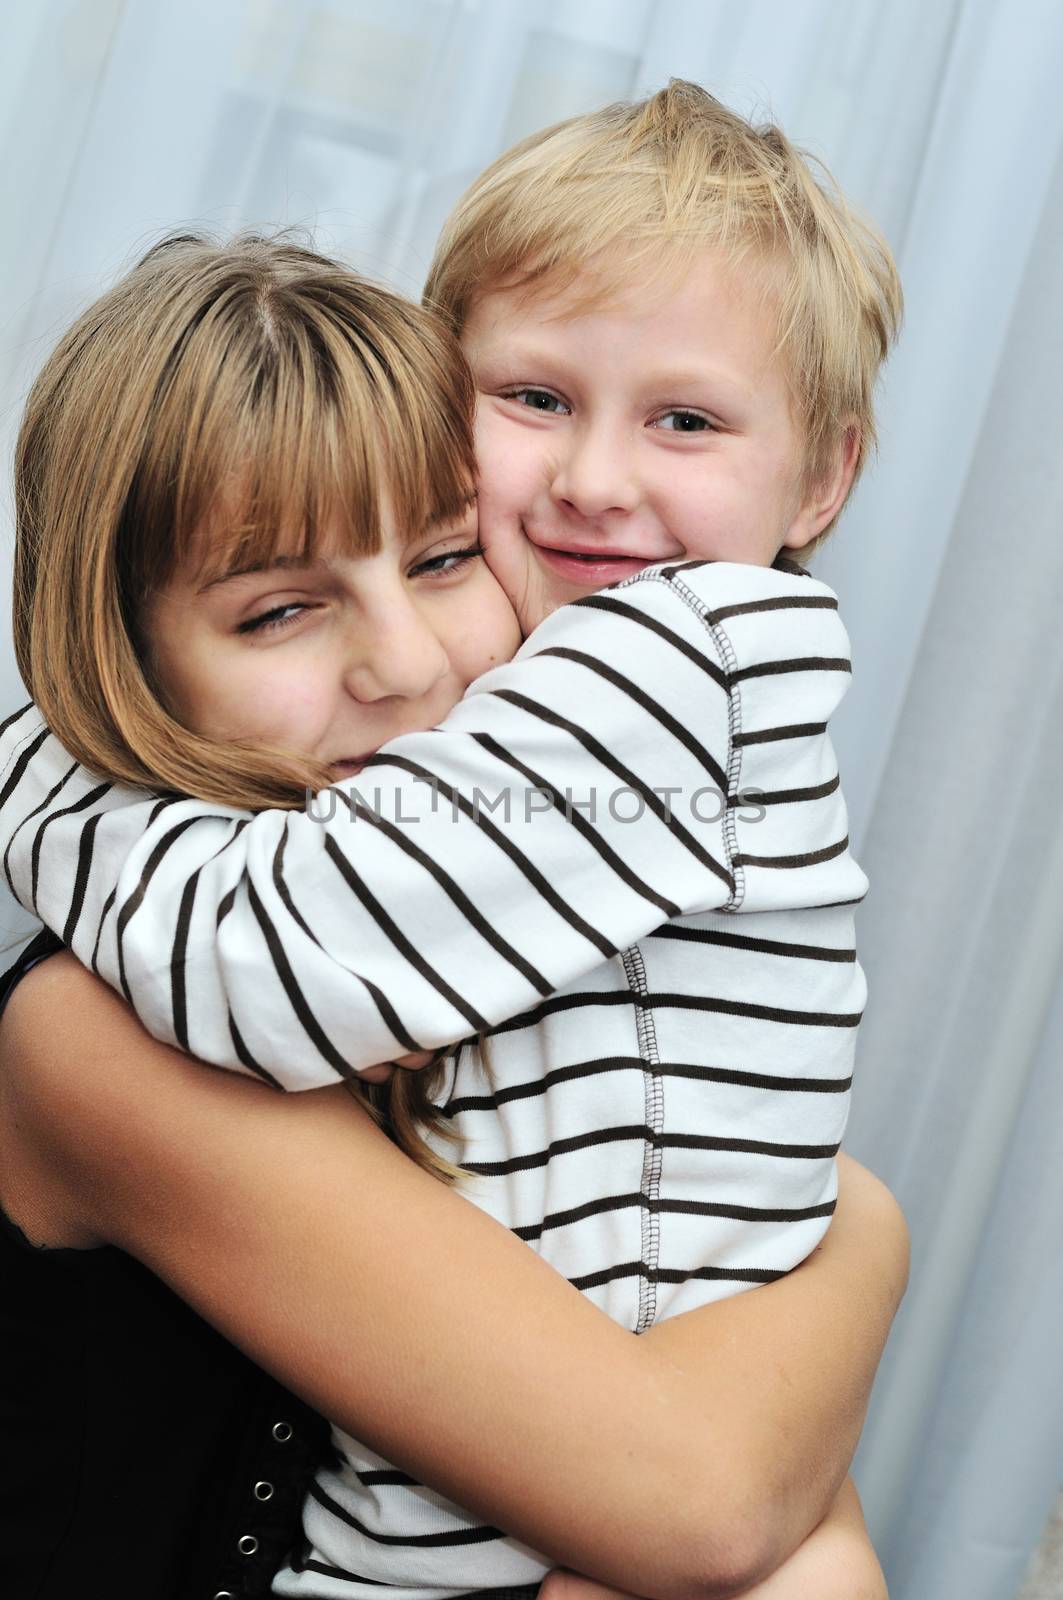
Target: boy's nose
x=595, y=474
x=394, y=652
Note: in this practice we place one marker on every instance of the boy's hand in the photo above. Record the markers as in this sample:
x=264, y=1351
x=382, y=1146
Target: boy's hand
x=411, y=1063
x=563, y=1585
x=836, y=1562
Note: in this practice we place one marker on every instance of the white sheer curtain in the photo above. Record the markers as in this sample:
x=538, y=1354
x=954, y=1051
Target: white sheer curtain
x=123, y=118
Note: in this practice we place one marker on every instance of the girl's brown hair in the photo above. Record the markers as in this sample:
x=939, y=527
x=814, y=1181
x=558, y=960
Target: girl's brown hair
x=222, y=404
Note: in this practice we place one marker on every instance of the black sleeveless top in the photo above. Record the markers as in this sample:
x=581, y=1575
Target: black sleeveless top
x=142, y=1454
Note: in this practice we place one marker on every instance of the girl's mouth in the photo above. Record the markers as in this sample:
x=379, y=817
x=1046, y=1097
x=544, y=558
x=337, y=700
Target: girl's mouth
x=347, y=766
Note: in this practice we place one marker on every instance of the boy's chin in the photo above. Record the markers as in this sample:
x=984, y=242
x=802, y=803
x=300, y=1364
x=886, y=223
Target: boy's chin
x=535, y=606
x=536, y=583
x=543, y=592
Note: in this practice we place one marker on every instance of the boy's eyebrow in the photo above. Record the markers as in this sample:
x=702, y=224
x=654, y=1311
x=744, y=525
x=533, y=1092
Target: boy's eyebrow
x=523, y=359
x=694, y=378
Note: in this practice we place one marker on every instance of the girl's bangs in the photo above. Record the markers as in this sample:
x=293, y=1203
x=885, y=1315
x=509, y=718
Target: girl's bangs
x=325, y=450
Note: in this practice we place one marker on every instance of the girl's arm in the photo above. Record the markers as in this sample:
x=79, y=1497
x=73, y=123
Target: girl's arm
x=689, y=1462
x=836, y=1562
x=496, y=858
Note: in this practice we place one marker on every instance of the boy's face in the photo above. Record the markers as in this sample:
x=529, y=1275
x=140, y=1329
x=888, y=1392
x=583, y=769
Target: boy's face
x=655, y=425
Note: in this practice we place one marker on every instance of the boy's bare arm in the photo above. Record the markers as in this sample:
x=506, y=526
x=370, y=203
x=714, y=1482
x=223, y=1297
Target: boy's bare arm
x=699, y=1455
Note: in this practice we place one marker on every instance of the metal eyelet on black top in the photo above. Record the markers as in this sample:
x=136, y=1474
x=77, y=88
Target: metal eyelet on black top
x=224, y=1594
x=282, y=1432
x=247, y=1544
x=263, y=1490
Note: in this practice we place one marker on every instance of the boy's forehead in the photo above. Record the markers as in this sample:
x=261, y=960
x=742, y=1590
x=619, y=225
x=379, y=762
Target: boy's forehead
x=691, y=307
x=615, y=283
x=704, y=332
x=568, y=290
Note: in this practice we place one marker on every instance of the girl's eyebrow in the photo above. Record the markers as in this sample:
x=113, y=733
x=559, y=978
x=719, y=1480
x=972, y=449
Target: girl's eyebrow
x=441, y=518
x=297, y=562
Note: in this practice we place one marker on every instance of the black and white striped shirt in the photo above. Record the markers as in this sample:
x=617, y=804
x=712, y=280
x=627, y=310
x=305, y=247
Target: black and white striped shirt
x=649, y=1090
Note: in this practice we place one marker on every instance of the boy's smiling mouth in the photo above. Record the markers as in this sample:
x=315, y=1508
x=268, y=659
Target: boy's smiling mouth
x=591, y=565
x=584, y=567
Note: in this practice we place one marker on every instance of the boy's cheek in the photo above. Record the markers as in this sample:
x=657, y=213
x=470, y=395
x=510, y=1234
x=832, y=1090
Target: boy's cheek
x=510, y=475
x=503, y=500
x=510, y=559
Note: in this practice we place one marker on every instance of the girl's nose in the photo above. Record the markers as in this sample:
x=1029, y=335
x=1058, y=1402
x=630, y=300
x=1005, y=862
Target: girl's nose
x=595, y=472
x=395, y=653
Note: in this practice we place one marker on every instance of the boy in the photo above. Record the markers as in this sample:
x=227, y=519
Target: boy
x=672, y=221
x=706, y=395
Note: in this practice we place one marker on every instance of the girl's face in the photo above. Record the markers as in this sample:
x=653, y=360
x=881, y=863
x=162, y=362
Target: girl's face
x=331, y=658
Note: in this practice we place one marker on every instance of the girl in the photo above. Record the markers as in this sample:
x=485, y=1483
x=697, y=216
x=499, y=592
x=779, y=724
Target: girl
x=367, y=407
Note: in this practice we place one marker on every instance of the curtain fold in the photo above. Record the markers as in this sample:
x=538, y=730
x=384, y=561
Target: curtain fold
x=960, y=1094
x=361, y=124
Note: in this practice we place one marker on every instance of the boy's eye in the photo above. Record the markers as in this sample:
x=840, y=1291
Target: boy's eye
x=678, y=421
x=275, y=617
x=539, y=400
x=449, y=561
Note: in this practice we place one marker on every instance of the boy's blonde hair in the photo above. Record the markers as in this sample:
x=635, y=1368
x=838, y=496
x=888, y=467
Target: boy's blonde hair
x=631, y=192
x=222, y=404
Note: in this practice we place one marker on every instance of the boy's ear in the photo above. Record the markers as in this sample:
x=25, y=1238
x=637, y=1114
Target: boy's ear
x=826, y=498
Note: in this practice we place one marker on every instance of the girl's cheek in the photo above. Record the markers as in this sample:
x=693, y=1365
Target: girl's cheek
x=276, y=700
x=482, y=631
x=305, y=699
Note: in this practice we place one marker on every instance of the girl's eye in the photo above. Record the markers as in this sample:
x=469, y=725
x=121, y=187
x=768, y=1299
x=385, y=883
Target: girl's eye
x=276, y=617
x=678, y=421
x=539, y=400
x=450, y=561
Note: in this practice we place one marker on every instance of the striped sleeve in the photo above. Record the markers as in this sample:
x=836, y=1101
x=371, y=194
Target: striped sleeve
x=577, y=798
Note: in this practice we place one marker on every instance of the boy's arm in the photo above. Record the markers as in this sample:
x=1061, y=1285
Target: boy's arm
x=496, y=859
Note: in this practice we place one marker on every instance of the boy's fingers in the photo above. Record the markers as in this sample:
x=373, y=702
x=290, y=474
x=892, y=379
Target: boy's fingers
x=378, y=1074
x=409, y=1063
x=560, y=1584
x=417, y=1059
